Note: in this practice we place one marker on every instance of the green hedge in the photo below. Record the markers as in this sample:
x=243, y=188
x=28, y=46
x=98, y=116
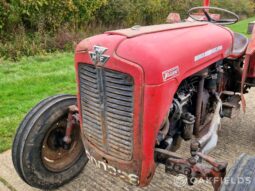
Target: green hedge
x=30, y=27
x=48, y=15
x=51, y=15
x=127, y=13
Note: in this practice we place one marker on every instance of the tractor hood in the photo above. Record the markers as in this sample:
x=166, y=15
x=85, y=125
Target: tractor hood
x=174, y=49
x=168, y=51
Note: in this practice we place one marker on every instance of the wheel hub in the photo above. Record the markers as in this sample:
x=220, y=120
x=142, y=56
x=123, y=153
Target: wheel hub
x=56, y=154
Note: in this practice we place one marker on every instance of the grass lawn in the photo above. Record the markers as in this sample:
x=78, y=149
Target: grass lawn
x=242, y=26
x=25, y=83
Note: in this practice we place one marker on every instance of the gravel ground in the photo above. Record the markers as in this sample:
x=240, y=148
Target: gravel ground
x=3, y=187
x=236, y=136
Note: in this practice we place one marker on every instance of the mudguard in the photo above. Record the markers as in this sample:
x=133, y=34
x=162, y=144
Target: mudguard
x=249, y=66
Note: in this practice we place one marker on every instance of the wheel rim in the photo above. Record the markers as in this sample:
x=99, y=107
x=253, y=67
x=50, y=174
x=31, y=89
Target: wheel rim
x=55, y=156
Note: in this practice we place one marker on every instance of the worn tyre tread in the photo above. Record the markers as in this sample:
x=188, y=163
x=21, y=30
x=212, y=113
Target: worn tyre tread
x=24, y=129
x=21, y=130
x=243, y=168
x=44, y=106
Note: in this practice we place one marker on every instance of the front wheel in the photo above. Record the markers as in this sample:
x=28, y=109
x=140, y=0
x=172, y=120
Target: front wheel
x=39, y=154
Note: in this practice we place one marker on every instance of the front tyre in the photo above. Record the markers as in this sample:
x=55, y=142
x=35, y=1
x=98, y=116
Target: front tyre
x=39, y=154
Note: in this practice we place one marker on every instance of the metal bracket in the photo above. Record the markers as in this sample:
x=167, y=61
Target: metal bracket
x=192, y=168
x=73, y=119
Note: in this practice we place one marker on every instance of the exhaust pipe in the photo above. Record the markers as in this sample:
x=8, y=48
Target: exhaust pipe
x=209, y=141
x=207, y=3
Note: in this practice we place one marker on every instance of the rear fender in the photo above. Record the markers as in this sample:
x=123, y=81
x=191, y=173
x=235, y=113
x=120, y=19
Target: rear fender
x=249, y=66
x=250, y=56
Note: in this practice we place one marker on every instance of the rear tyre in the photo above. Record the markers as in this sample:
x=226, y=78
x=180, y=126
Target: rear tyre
x=241, y=177
x=39, y=155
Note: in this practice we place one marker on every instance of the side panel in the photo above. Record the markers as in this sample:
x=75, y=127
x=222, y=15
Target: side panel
x=157, y=102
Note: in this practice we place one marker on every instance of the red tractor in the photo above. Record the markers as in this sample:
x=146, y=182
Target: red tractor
x=141, y=92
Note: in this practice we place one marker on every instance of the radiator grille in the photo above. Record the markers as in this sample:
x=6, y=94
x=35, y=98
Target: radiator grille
x=107, y=109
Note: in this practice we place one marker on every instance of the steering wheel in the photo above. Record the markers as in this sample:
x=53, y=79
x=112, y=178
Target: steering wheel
x=206, y=10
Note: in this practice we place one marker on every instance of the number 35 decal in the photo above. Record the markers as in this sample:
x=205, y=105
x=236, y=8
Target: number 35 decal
x=130, y=178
